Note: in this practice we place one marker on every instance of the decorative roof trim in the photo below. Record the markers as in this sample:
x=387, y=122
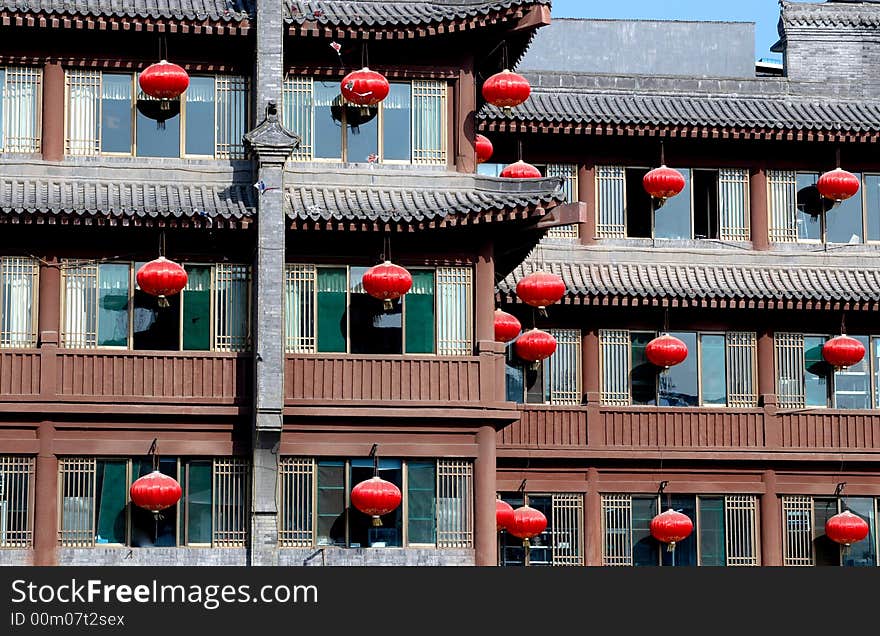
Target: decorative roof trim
x=136, y=24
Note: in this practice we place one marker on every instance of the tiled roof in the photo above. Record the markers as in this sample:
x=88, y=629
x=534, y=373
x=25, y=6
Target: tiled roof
x=213, y=10
x=702, y=275
x=863, y=13
x=125, y=190
x=387, y=195
x=381, y=13
x=565, y=99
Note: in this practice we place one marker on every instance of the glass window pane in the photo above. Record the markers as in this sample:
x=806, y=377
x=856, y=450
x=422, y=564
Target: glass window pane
x=534, y=379
x=672, y=218
x=199, y=497
x=200, y=128
x=872, y=206
x=148, y=530
x=116, y=113
x=113, y=280
x=362, y=133
x=373, y=330
x=331, y=503
x=643, y=376
x=197, y=308
x=513, y=374
x=685, y=553
x=421, y=484
x=826, y=551
x=712, y=545
x=111, y=496
x=645, y=549
x=328, y=135
x=158, y=127
x=512, y=551
x=541, y=546
x=678, y=385
x=817, y=371
x=844, y=220
x=397, y=123
x=490, y=169
x=2, y=90
x=155, y=328
x=362, y=532
x=862, y=553
x=419, y=303
x=810, y=207
x=713, y=370
x=852, y=386
x=332, y=295
x=875, y=352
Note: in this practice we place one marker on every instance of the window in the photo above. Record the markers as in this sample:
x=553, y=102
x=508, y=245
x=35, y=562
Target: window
x=95, y=507
x=327, y=311
x=556, y=380
x=16, y=496
x=720, y=370
x=799, y=213
x=408, y=126
x=104, y=307
x=713, y=205
x=315, y=510
x=804, y=540
x=562, y=541
x=108, y=114
x=20, y=101
x=725, y=530
x=18, y=301
x=804, y=379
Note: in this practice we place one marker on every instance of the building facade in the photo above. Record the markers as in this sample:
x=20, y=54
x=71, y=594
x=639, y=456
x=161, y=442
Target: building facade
x=273, y=383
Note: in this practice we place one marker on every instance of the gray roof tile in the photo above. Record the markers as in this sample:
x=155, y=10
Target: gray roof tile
x=380, y=13
x=213, y=10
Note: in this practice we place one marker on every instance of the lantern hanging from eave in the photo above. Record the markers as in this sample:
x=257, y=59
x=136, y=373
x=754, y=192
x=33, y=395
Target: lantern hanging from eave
x=162, y=278
x=838, y=185
x=364, y=87
x=155, y=491
x=666, y=351
x=663, y=182
x=521, y=170
x=507, y=327
x=527, y=523
x=503, y=515
x=484, y=148
x=535, y=345
x=670, y=527
x=164, y=80
x=846, y=528
x=376, y=497
x=387, y=282
x=506, y=89
x=842, y=352
x=540, y=289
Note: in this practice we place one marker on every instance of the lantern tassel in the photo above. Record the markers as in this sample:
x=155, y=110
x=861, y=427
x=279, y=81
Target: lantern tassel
x=164, y=104
x=542, y=311
x=526, y=543
x=388, y=304
x=163, y=302
x=671, y=547
x=377, y=521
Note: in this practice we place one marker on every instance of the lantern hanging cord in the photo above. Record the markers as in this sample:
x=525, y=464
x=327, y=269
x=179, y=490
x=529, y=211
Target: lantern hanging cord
x=154, y=453
x=519, y=148
x=662, y=155
x=843, y=323
x=837, y=157
x=666, y=320
x=375, y=456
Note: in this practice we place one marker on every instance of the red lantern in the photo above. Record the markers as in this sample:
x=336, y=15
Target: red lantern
x=670, y=527
x=364, y=87
x=164, y=80
x=846, y=528
x=527, y=523
x=521, y=170
x=484, y=148
x=155, y=491
x=540, y=289
x=161, y=278
x=506, y=89
x=387, y=282
x=838, y=185
x=503, y=515
x=663, y=182
x=376, y=497
x=842, y=352
x=666, y=351
x=535, y=345
x=507, y=327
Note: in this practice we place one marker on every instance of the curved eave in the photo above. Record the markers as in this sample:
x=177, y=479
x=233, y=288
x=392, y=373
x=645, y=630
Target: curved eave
x=134, y=24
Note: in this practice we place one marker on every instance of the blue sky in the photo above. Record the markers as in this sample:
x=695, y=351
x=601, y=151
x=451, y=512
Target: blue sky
x=764, y=13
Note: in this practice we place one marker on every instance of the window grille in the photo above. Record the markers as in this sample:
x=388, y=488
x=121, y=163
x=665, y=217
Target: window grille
x=231, y=116
x=231, y=307
x=740, y=529
x=733, y=193
x=454, y=311
x=569, y=173
x=79, y=305
x=16, y=501
x=429, y=122
x=22, y=98
x=797, y=515
x=77, y=477
x=297, y=114
x=230, y=501
x=565, y=367
x=454, y=504
x=568, y=515
x=83, y=113
x=610, y=202
x=782, y=189
x=617, y=530
x=741, y=352
x=790, y=370
x=614, y=362
x=296, y=483
x=18, y=305
x=301, y=308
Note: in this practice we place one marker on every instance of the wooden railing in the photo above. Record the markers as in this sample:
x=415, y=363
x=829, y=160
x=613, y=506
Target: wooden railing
x=547, y=427
x=20, y=372
x=844, y=430
x=682, y=428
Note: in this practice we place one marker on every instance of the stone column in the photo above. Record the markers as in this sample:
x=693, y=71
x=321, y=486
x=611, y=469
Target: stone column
x=485, y=531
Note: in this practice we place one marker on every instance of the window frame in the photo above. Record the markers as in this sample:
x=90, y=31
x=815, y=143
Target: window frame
x=575, y=507
x=37, y=74
x=18, y=263
x=545, y=370
x=15, y=469
x=799, y=499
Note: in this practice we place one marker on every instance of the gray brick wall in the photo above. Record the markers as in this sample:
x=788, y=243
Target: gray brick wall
x=16, y=557
x=152, y=556
x=423, y=557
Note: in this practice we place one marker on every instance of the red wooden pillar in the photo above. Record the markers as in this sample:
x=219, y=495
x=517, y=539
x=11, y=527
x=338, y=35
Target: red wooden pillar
x=759, y=211
x=53, y=112
x=593, y=520
x=771, y=522
x=485, y=531
x=464, y=118
x=587, y=194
